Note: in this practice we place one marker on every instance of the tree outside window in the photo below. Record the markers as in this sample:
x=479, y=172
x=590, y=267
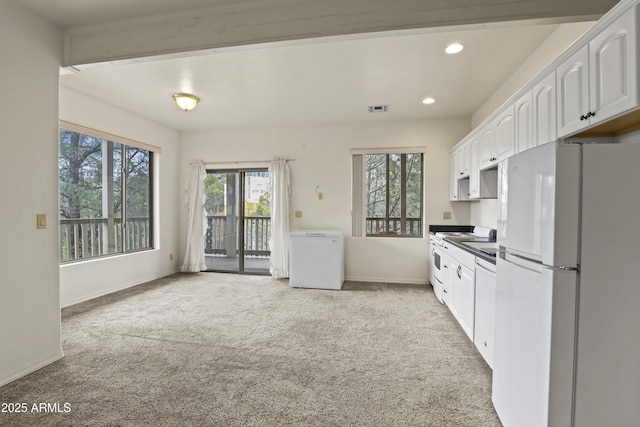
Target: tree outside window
x=105, y=197
x=393, y=194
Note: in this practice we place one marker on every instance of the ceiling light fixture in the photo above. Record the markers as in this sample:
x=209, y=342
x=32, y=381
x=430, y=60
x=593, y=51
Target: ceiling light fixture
x=454, y=48
x=428, y=101
x=186, y=101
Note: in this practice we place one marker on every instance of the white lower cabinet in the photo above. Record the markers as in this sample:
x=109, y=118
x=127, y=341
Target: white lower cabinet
x=469, y=284
x=460, y=289
x=446, y=281
x=485, y=309
x=465, y=284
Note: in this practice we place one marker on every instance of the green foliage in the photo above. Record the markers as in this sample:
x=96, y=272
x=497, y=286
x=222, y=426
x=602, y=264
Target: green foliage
x=81, y=164
x=214, y=188
x=383, y=185
x=264, y=206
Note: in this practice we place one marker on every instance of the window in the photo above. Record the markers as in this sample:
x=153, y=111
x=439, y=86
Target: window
x=105, y=196
x=387, y=194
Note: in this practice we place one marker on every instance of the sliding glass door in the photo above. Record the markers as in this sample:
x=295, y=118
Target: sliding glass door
x=238, y=221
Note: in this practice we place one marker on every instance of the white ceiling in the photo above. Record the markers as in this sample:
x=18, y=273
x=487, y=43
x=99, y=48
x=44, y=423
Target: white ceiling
x=321, y=81
x=331, y=79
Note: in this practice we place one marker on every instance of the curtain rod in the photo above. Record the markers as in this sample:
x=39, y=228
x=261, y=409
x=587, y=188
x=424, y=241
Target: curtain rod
x=238, y=162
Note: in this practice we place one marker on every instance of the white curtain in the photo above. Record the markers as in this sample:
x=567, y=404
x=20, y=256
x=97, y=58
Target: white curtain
x=279, y=242
x=196, y=219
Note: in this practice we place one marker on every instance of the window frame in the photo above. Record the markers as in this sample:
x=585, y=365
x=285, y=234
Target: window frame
x=359, y=182
x=121, y=234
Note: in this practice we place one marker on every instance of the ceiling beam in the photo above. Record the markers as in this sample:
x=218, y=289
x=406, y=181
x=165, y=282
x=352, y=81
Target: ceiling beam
x=266, y=21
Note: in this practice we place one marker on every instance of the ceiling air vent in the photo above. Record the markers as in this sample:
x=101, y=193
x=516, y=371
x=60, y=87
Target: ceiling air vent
x=378, y=108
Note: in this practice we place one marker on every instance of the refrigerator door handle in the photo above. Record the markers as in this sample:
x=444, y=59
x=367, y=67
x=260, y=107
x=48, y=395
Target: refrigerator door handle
x=522, y=262
x=533, y=265
x=561, y=268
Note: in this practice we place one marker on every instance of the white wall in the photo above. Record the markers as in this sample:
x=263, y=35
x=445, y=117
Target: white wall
x=322, y=160
x=485, y=213
x=84, y=280
x=31, y=49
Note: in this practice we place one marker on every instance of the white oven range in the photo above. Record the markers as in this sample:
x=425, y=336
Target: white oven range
x=436, y=254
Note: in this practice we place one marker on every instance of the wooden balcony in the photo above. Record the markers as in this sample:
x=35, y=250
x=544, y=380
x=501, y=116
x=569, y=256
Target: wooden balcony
x=82, y=238
x=220, y=236
x=394, y=226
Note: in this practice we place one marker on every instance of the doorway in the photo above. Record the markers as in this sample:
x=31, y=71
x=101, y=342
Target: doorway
x=238, y=221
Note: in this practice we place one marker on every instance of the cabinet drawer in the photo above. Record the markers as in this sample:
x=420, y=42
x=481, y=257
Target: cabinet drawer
x=463, y=257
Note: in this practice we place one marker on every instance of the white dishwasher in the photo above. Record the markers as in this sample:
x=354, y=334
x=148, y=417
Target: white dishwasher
x=316, y=259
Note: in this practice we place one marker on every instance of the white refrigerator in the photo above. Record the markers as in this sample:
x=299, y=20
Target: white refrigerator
x=567, y=310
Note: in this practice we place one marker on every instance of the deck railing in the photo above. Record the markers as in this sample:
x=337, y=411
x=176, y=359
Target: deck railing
x=82, y=238
x=393, y=226
x=257, y=231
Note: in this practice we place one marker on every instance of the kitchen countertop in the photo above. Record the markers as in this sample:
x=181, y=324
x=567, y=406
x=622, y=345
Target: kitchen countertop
x=473, y=244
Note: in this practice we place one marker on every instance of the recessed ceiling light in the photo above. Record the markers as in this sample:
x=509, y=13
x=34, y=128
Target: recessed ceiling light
x=454, y=48
x=428, y=100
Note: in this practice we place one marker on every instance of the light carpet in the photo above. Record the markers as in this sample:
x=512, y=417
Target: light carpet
x=228, y=350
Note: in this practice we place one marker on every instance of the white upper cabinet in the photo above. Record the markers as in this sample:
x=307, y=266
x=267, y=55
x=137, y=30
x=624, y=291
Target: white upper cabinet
x=524, y=123
x=474, y=170
x=505, y=135
x=463, y=161
x=544, y=110
x=612, y=66
x=573, y=92
x=453, y=179
x=599, y=81
x=594, y=82
x=497, y=140
x=486, y=147
x=535, y=115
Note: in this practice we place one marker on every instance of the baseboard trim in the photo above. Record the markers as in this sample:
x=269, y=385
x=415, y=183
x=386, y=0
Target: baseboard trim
x=399, y=281
x=84, y=298
x=32, y=368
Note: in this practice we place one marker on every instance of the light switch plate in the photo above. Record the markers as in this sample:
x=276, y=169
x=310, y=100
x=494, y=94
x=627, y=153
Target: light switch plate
x=41, y=221
x=446, y=215
x=298, y=214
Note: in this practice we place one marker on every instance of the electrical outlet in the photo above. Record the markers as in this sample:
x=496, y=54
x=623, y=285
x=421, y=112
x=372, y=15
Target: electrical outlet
x=320, y=196
x=446, y=215
x=298, y=214
x=170, y=257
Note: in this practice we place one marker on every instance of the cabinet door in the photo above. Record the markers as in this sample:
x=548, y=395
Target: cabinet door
x=463, y=161
x=446, y=266
x=572, y=83
x=466, y=296
x=474, y=170
x=453, y=178
x=524, y=123
x=505, y=135
x=486, y=147
x=485, y=313
x=454, y=289
x=612, y=69
x=544, y=110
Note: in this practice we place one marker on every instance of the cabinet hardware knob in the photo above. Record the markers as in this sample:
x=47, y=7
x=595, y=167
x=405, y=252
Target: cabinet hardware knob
x=592, y=113
x=583, y=117
x=461, y=173
x=445, y=291
x=485, y=343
